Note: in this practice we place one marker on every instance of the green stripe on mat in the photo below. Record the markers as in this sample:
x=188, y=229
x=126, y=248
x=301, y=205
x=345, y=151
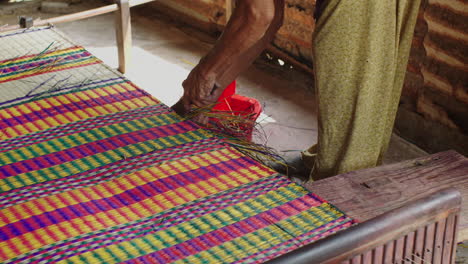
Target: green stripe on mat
x=204, y=224
x=223, y=195
x=98, y=160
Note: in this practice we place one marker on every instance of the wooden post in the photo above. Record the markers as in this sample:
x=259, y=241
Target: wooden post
x=229, y=9
x=124, y=34
x=435, y=216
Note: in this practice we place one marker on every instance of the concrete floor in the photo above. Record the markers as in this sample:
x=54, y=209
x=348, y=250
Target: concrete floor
x=163, y=55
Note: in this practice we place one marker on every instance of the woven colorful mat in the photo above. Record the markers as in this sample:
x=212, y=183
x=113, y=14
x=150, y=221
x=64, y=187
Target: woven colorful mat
x=95, y=170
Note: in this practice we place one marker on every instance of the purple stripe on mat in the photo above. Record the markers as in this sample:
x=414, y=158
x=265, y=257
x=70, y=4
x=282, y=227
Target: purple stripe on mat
x=223, y=234
x=70, y=107
x=161, y=221
x=82, y=125
x=92, y=148
x=125, y=198
x=107, y=172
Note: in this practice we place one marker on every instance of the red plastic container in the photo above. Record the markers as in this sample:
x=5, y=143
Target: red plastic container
x=230, y=102
x=228, y=92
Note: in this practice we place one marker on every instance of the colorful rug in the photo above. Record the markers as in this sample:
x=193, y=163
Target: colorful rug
x=95, y=170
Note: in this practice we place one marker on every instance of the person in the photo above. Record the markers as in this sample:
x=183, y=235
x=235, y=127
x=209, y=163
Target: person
x=360, y=54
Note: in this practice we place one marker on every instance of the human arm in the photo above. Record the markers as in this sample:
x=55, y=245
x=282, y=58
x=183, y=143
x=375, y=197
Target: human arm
x=248, y=32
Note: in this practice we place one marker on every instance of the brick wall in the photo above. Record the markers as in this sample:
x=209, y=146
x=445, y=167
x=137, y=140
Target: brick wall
x=434, y=108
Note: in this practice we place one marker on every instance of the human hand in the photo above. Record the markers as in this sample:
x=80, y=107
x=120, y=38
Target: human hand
x=200, y=90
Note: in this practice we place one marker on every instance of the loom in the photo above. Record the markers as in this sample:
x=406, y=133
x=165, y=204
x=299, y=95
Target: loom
x=95, y=170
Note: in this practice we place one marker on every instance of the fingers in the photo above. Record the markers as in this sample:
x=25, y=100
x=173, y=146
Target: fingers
x=215, y=94
x=201, y=118
x=200, y=91
x=202, y=98
x=199, y=88
x=200, y=101
x=180, y=108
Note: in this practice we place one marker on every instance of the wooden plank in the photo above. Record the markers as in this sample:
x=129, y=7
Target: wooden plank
x=124, y=34
x=429, y=243
x=439, y=242
x=368, y=193
x=378, y=255
x=419, y=246
x=409, y=246
x=448, y=248
x=367, y=257
x=356, y=260
x=388, y=252
x=399, y=249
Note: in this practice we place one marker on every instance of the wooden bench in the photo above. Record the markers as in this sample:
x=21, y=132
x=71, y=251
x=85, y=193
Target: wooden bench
x=422, y=231
x=368, y=193
x=409, y=212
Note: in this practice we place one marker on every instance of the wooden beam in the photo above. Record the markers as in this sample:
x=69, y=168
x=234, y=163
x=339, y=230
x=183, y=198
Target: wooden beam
x=67, y=18
x=124, y=34
x=76, y=16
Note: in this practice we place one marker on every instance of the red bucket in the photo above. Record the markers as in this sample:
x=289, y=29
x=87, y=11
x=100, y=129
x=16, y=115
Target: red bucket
x=231, y=103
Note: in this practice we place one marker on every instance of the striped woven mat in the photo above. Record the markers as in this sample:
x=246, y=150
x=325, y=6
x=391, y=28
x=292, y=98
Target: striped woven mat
x=95, y=170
